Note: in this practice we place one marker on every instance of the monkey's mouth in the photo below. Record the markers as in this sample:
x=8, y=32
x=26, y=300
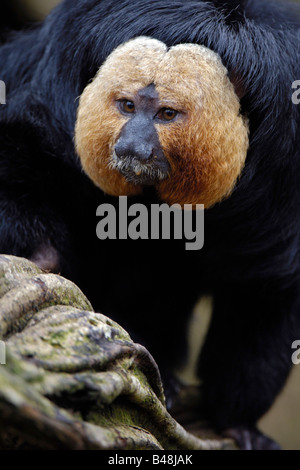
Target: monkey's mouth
x=141, y=173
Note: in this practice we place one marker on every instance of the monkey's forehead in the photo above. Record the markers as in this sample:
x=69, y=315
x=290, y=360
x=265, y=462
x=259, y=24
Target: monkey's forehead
x=142, y=61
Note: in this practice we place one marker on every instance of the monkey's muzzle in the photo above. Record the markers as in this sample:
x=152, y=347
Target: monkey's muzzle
x=139, y=172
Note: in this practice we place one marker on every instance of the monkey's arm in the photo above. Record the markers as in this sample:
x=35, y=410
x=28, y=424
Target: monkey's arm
x=247, y=355
x=31, y=224
x=31, y=230
x=35, y=178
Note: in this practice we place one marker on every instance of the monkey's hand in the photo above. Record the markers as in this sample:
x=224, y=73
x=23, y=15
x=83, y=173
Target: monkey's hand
x=46, y=257
x=250, y=438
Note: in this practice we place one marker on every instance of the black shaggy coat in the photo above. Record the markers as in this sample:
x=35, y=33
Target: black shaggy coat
x=250, y=262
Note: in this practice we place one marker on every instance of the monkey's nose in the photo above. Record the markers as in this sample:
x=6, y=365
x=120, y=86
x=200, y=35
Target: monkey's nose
x=142, y=151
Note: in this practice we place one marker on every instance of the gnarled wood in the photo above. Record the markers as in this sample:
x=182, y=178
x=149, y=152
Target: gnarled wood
x=73, y=378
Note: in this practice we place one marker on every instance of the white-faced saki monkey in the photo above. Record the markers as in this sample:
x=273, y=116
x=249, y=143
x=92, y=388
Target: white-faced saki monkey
x=174, y=102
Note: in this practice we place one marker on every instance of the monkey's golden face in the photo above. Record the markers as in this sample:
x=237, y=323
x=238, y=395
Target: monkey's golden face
x=163, y=117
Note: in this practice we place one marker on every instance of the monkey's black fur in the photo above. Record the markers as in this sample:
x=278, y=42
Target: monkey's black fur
x=250, y=262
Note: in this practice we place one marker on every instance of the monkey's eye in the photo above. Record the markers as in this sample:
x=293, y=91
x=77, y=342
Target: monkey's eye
x=127, y=106
x=167, y=114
